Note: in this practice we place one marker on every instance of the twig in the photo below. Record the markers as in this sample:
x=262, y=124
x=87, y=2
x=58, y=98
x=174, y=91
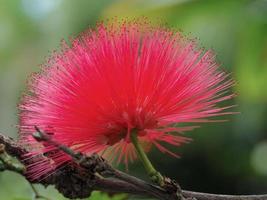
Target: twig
x=97, y=164
x=41, y=136
x=207, y=196
x=7, y=162
x=12, y=147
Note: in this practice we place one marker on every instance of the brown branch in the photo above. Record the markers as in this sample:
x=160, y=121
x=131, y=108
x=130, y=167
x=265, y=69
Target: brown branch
x=8, y=162
x=80, y=177
x=96, y=164
x=207, y=196
x=12, y=147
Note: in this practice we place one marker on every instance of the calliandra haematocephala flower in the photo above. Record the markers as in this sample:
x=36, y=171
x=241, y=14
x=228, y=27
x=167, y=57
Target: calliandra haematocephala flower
x=119, y=78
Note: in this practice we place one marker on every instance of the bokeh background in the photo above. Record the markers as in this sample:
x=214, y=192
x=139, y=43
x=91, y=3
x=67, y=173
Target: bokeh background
x=228, y=157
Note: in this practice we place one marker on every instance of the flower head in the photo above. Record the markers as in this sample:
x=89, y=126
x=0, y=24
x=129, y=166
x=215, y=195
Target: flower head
x=120, y=78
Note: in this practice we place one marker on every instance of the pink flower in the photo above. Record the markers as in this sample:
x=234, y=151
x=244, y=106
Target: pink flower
x=115, y=79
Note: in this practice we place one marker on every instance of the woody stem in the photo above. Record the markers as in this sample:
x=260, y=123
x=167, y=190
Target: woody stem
x=152, y=172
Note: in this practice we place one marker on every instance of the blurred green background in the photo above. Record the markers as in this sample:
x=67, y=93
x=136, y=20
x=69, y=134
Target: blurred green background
x=228, y=157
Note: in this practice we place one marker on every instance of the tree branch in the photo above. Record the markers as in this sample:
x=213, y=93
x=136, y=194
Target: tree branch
x=96, y=164
x=79, y=182
x=9, y=163
x=207, y=196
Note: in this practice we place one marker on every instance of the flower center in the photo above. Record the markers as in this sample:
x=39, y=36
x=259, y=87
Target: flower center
x=113, y=138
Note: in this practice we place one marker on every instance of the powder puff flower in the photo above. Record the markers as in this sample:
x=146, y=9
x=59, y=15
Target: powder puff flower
x=119, y=79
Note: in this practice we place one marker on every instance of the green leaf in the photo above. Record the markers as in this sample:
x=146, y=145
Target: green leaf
x=96, y=195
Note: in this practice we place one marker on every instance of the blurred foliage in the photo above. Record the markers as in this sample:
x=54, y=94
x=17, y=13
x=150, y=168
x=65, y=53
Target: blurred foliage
x=103, y=196
x=225, y=157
